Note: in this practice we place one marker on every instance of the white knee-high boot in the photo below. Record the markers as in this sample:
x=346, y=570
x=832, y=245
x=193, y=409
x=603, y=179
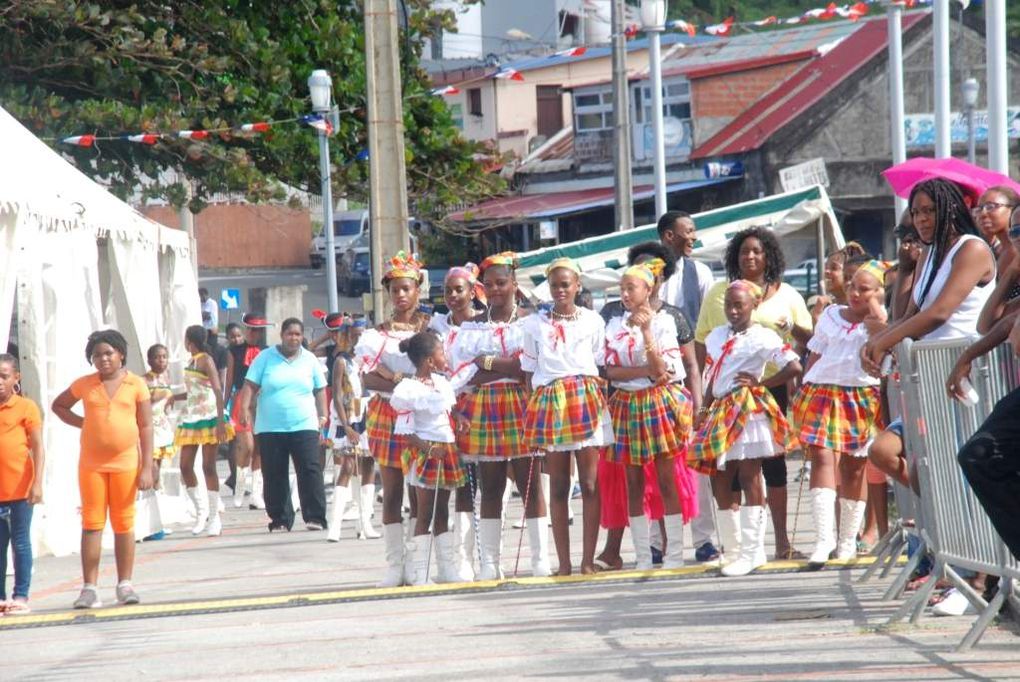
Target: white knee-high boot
x=446, y=558
x=642, y=546
x=341, y=496
x=353, y=489
x=240, y=485
x=674, y=557
x=752, y=542
x=823, y=501
x=851, y=514
x=201, y=510
x=394, y=576
x=728, y=522
x=538, y=540
x=464, y=546
x=257, y=487
x=368, y=531
x=491, y=537
x=215, y=522
x=418, y=549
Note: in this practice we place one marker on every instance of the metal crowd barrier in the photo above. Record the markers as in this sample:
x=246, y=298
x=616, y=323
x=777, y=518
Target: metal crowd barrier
x=949, y=520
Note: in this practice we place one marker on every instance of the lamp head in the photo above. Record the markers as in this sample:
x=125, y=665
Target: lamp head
x=320, y=85
x=653, y=14
x=970, y=89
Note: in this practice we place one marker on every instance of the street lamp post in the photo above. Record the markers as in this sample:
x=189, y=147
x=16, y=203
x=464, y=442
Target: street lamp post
x=970, y=96
x=320, y=85
x=653, y=17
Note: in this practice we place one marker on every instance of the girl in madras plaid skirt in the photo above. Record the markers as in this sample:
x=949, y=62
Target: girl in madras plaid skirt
x=487, y=352
x=567, y=411
x=383, y=365
x=742, y=425
x=837, y=410
x=424, y=404
x=651, y=413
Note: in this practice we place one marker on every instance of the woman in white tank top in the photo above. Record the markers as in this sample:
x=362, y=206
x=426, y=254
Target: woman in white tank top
x=954, y=279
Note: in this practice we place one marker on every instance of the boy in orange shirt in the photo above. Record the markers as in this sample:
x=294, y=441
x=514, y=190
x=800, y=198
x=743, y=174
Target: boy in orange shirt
x=116, y=458
x=21, y=472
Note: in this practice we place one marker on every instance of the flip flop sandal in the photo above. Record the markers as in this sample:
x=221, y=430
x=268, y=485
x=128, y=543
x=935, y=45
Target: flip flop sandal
x=602, y=566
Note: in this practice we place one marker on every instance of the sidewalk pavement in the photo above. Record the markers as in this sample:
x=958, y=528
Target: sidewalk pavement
x=310, y=616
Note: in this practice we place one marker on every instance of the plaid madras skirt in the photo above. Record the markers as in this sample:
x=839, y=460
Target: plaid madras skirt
x=496, y=414
x=385, y=446
x=649, y=423
x=565, y=412
x=725, y=422
x=442, y=467
x=201, y=432
x=837, y=418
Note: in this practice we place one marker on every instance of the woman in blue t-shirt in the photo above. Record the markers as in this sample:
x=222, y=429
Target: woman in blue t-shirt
x=291, y=413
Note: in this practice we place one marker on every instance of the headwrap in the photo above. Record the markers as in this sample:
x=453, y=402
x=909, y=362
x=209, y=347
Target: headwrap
x=403, y=265
x=648, y=271
x=877, y=269
x=507, y=259
x=567, y=263
x=468, y=272
x=743, y=285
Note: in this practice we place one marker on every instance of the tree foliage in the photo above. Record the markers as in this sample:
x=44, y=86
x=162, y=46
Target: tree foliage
x=119, y=67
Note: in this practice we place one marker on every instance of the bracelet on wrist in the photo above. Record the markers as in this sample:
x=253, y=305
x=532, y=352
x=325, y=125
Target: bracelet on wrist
x=487, y=362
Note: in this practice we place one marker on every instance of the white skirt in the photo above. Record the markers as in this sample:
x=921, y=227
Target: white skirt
x=755, y=442
x=602, y=436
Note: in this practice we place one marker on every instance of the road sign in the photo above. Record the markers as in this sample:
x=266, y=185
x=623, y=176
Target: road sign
x=804, y=175
x=230, y=299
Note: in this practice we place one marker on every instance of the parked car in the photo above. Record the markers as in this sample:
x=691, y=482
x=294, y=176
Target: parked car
x=804, y=280
x=353, y=274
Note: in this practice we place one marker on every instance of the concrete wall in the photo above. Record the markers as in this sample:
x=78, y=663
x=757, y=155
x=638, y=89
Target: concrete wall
x=246, y=235
x=717, y=100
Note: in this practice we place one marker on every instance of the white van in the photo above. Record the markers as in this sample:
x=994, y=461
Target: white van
x=348, y=227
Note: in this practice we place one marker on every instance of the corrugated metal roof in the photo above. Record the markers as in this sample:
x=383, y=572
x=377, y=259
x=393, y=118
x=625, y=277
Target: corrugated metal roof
x=802, y=90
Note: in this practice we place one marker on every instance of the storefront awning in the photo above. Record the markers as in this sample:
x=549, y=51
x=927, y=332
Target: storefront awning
x=534, y=207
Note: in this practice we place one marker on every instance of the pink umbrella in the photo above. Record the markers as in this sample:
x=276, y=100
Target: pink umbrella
x=972, y=179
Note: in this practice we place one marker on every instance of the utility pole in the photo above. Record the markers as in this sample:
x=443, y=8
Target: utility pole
x=995, y=31
x=186, y=221
x=940, y=34
x=622, y=179
x=896, y=115
x=387, y=173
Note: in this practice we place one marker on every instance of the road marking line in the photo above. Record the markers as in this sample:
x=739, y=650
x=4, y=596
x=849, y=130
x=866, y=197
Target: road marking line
x=214, y=606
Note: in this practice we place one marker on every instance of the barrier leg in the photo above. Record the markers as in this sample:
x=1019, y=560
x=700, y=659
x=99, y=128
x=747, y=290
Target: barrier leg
x=1011, y=596
x=896, y=551
x=964, y=587
x=981, y=624
x=880, y=551
x=895, y=590
x=915, y=605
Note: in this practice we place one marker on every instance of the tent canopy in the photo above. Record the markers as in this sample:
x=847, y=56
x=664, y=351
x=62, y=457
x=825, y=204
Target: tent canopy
x=74, y=259
x=602, y=258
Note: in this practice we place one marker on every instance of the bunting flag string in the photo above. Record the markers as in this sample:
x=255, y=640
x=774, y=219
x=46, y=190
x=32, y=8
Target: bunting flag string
x=316, y=121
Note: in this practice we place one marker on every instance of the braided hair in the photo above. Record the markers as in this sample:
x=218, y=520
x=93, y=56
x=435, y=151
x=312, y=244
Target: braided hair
x=952, y=219
x=775, y=262
x=110, y=337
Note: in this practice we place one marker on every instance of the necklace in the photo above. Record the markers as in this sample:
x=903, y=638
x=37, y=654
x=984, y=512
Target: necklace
x=412, y=326
x=512, y=318
x=566, y=317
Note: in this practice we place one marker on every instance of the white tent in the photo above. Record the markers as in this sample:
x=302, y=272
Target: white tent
x=76, y=259
x=794, y=216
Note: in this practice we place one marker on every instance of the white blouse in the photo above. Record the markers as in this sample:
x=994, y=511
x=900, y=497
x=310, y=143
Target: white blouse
x=838, y=344
x=555, y=349
x=500, y=339
x=963, y=321
x=625, y=347
x=749, y=352
x=377, y=347
x=424, y=410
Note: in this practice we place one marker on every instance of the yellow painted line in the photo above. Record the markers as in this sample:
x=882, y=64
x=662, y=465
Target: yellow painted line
x=213, y=606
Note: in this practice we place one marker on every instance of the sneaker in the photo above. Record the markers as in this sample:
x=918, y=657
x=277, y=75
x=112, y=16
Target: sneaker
x=656, y=555
x=126, y=594
x=88, y=599
x=954, y=603
x=277, y=526
x=155, y=536
x=315, y=525
x=707, y=552
x=17, y=607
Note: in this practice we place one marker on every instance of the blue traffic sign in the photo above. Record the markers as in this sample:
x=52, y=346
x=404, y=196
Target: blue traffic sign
x=230, y=299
